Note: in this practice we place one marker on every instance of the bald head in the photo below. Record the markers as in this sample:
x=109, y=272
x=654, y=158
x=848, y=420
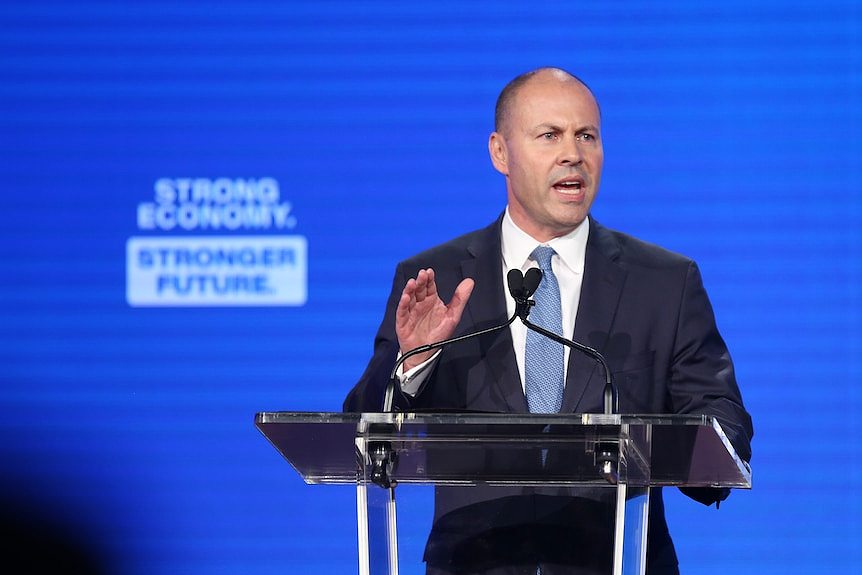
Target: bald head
x=507, y=97
x=548, y=145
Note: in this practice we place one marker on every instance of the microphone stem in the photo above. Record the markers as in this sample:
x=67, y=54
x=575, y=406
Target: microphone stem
x=609, y=394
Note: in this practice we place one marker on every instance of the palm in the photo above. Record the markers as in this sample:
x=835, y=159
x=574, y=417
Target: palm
x=423, y=318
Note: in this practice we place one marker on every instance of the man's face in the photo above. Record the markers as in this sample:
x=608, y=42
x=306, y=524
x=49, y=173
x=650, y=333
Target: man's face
x=550, y=150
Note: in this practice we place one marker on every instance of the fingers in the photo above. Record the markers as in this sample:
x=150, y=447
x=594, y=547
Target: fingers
x=415, y=291
x=424, y=285
x=430, y=284
x=421, y=287
x=406, y=305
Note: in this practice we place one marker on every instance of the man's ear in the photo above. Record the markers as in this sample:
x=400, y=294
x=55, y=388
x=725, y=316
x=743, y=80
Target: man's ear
x=499, y=153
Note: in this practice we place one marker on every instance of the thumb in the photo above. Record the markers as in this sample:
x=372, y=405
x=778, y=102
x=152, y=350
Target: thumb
x=460, y=298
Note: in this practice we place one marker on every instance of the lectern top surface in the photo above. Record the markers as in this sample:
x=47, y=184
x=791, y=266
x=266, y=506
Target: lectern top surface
x=474, y=448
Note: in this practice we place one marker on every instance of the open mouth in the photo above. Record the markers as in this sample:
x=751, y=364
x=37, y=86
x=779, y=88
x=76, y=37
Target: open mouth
x=571, y=185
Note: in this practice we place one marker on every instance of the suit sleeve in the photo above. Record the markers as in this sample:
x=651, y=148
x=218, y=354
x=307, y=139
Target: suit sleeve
x=702, y=378
x=367, y=394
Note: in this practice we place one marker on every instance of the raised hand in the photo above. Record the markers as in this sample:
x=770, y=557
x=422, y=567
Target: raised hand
x=422, y=317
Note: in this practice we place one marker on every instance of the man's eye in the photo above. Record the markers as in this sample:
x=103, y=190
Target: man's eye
x=549, y=135
x=586, y=137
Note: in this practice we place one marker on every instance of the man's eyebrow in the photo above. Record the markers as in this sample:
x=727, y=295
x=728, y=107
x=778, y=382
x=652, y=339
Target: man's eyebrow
x=547, y=127
x=587, y=128
x=555, y=128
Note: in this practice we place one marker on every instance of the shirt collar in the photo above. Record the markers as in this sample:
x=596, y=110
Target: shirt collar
x=518, y=245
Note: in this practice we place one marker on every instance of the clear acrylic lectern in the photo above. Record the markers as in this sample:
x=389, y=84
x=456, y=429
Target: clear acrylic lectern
x=626, y=454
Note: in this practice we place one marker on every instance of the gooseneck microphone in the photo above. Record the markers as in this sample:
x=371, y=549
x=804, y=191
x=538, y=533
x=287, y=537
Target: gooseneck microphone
x=517, y=288
x=517, y=284
x=606, y=453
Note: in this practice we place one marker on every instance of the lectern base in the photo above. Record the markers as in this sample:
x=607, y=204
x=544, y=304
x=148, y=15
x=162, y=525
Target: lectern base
x=504, y=530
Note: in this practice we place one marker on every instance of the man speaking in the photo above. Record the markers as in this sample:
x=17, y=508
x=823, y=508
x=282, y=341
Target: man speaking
x=644, y=308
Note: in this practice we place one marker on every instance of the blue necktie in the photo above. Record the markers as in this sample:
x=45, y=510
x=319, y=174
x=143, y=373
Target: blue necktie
x=543, y=357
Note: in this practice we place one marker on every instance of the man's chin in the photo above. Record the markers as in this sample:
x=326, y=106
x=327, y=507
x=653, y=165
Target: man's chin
x=571, y=220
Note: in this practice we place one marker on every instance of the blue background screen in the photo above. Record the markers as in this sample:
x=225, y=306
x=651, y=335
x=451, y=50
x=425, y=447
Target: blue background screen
x=731, y=135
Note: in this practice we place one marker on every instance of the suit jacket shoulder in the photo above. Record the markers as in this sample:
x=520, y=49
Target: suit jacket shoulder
x=451, y=253
x=629, y=250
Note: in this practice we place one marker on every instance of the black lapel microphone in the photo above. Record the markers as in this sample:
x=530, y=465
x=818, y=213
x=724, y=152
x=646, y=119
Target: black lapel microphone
x=518, y=289
x=515, y=281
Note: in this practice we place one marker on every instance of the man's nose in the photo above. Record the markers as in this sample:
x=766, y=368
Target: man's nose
x=570, y=153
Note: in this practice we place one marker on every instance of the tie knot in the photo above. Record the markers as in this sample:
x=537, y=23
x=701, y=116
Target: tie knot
x=543, y=255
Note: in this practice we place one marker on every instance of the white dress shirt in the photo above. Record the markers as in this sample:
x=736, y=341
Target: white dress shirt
x=568, y=266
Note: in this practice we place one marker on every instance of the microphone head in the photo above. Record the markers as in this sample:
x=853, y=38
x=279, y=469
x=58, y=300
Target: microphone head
x=531, y=282
x=515, y=280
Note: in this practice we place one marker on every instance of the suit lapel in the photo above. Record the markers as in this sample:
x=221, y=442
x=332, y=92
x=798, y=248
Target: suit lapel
x=600, y=293
x=486, y=308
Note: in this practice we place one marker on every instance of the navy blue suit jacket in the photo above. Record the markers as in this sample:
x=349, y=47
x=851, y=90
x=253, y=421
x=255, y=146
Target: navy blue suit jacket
x=643, y=307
